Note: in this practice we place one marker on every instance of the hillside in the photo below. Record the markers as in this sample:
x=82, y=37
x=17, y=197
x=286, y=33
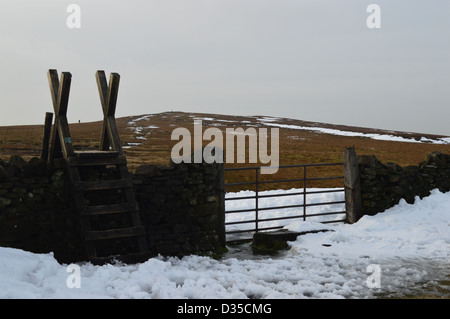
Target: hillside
x=146, y=140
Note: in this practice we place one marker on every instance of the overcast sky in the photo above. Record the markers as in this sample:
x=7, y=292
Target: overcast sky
x=313, y=60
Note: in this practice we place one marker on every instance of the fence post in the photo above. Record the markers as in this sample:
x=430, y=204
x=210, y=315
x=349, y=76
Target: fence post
x=256, y=200
x=304, y=193
x=221, y=192
x=353, y=202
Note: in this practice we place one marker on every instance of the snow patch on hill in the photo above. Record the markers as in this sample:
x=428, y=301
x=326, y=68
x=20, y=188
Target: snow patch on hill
x=136, y=125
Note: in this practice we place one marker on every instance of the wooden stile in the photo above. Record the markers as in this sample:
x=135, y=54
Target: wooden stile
x=110, y=153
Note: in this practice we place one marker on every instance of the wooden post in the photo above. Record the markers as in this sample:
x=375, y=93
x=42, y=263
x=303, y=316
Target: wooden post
x=221, y=191
x=353, y=202
x=256, y=199
x=108, y=98
x=46, y=139
x=59, y=90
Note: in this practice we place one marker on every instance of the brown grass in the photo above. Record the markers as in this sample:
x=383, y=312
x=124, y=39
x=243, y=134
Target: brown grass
x=296, y=146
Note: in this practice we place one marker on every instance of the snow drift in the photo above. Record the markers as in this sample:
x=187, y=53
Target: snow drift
x=410, y=243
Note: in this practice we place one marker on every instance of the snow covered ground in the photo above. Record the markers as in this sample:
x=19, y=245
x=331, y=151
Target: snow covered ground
x=404, y=251
x=382, y=137
x=264, y=202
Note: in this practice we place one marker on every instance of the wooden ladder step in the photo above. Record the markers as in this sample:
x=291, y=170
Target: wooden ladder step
x=99, y=185
x=109, y=209
x=96, y=161
x=96, y=154
x=114, y=233
x=130, y=258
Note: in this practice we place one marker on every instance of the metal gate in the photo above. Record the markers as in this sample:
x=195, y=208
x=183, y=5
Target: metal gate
x=242, y=228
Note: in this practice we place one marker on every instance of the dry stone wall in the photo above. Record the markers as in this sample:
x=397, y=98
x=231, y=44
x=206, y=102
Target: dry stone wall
x=181, y=207
x=383, y=185
x=35, y=209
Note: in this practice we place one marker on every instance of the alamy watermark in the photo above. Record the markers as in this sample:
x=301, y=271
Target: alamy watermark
x=374, y=19
x=374, y=279
x=74, y=279
x=73, y=21
x=213, y=152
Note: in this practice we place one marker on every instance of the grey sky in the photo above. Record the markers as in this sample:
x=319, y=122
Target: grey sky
x=312, y=60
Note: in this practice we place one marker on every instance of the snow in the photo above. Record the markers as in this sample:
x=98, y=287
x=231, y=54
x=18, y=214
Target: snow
x=409, y=243
x=382, y=137
x=141, y=118
x=419, y=230
x=139, y=130
x=282, y=201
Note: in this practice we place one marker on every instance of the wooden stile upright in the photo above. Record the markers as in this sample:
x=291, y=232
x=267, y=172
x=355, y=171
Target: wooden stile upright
x=110, y=153
x=46, y=138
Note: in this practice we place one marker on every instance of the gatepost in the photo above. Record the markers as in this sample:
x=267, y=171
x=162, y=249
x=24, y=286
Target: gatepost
x=352, y=185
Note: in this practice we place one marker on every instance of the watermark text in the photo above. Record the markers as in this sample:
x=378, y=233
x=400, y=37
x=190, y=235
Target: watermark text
x=235, y=139
x=374, y=279
x=73, y=21
x=74, y=279
x=374, y=19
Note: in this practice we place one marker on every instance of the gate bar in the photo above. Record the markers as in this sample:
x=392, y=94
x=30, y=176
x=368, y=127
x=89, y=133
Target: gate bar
x=286, y=194
x=283, y=207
